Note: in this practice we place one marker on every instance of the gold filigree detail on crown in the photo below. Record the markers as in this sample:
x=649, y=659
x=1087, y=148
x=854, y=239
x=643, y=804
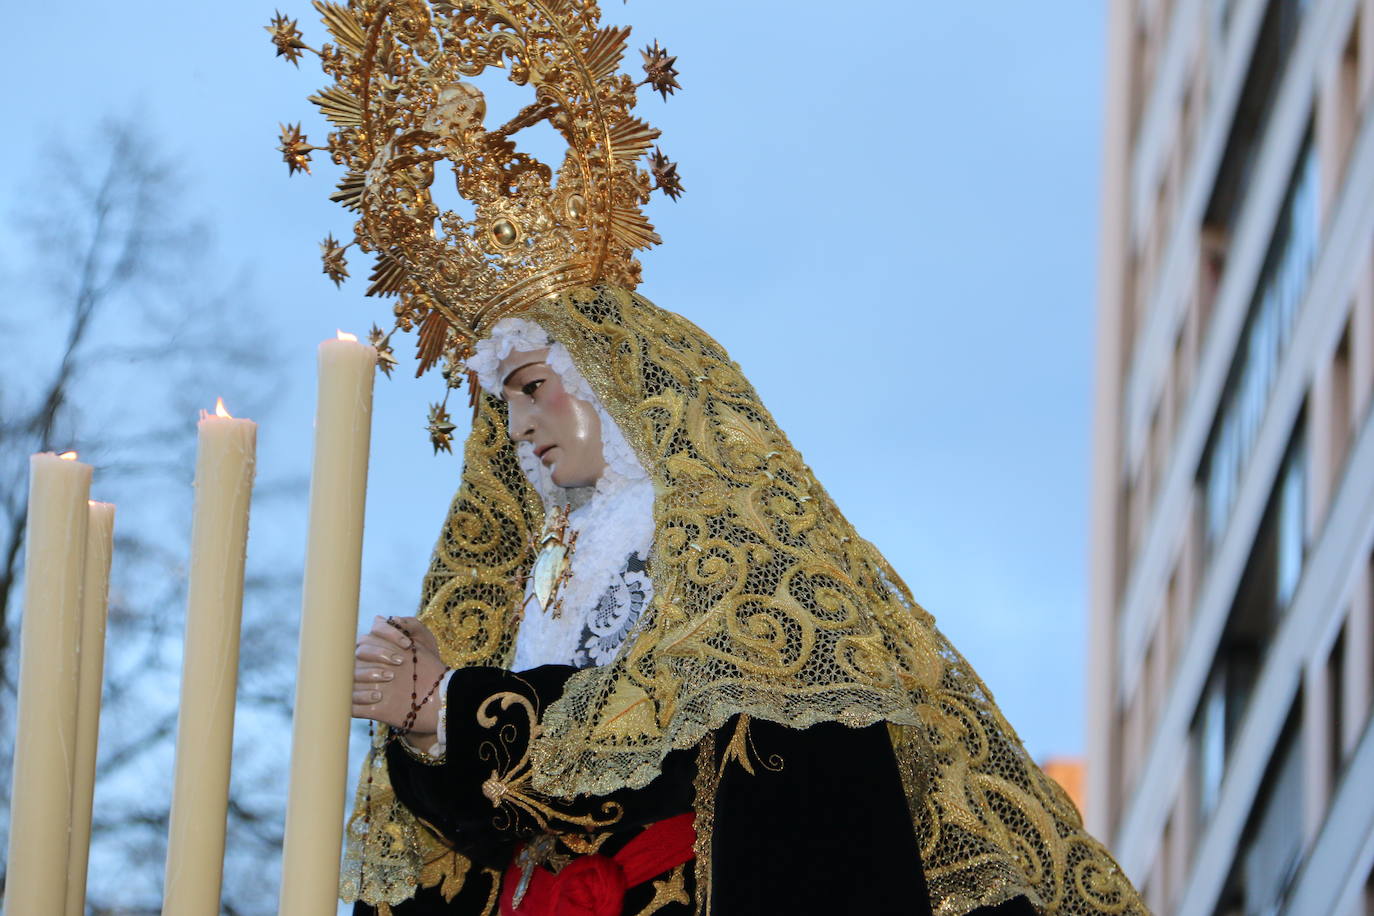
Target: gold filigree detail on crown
x=407, y=117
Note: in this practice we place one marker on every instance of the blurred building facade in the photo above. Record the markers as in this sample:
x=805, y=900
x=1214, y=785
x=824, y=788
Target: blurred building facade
x=1231, y=667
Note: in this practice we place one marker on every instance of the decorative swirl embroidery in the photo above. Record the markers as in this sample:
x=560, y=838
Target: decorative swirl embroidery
x=508, y=787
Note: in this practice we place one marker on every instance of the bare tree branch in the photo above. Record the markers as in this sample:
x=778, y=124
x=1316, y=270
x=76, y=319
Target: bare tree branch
x=113, y=253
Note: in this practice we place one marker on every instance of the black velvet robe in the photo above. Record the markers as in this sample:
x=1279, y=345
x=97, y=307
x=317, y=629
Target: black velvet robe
x=820, y=827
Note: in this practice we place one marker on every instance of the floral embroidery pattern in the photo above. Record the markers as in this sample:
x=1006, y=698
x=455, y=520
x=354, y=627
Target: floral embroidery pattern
x=615, y=614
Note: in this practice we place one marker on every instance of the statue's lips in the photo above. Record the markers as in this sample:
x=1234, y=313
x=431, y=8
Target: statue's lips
x=542, y=452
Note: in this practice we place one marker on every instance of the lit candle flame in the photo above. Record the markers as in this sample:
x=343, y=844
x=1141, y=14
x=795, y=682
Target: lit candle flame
x=344, y=335
x=68, y=456
x=220, y=411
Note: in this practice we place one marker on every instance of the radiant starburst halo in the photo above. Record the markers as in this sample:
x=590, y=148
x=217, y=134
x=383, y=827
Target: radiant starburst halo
x=407, y=119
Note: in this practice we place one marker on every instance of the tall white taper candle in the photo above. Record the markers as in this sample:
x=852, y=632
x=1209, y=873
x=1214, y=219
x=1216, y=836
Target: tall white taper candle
x=209, y=671
x=95, y=595
x=45, y=743
x=329, y=625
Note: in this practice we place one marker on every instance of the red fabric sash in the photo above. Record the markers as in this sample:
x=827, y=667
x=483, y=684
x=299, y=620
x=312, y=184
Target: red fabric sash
x=595, y=885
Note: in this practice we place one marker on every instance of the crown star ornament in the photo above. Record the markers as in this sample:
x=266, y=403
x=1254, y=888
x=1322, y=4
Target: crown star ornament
x=335, y=264
x=407, y=117
x=659, y=70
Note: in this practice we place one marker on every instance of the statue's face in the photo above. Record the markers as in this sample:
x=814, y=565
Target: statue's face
x=565, y=431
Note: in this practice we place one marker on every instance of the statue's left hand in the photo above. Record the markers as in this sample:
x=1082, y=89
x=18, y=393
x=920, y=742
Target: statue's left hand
x=412, y=625
x=389, y=667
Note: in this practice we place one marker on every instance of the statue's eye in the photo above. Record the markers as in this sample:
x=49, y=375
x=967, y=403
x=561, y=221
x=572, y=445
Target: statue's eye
x=531, y=386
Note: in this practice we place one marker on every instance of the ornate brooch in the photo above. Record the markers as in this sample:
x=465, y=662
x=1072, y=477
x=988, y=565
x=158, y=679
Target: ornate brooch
x=553, y=561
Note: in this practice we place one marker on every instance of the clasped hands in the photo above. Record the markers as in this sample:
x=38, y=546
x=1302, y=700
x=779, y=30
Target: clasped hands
x=393, y=671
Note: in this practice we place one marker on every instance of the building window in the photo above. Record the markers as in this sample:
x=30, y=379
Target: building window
x=1341, y=107
x=1263, y=340
x=1211, y=743
x=1270, y=850
x=1272, y=847
x=1290, y=527
x=1266, y=587
x=1277, y=35
x=1341, y=418
x=1211, y=264
x=1219, y=718
x=1334, y=672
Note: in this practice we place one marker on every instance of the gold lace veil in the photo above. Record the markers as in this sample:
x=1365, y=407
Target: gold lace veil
x=766, y=603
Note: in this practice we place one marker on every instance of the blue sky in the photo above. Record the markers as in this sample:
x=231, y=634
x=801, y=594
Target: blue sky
x=890, y=221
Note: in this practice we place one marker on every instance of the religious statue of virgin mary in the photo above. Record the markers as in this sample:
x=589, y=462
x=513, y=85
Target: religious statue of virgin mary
x=655, y=670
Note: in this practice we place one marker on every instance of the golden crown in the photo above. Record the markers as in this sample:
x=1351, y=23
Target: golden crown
x=401, y=105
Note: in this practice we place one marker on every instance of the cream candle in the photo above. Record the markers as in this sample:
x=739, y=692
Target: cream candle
x=45, y=742
x=329, y=622
x=94, y=605
x=209, y=674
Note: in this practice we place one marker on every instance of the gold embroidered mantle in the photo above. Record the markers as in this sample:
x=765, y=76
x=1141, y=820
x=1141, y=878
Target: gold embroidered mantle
x=766, y=603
